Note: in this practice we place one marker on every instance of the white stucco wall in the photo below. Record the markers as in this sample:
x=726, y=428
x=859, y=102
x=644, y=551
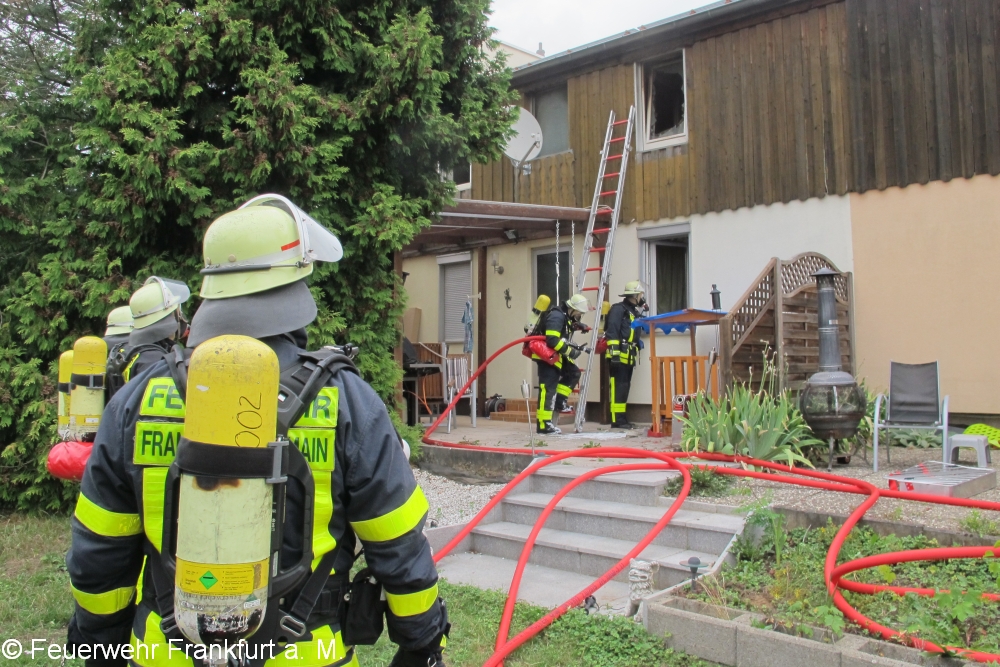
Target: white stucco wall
x=730, y=249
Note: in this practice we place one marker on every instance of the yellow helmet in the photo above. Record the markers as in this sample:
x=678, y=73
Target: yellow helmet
x=633, y=288
x=157, y=298
x=579, y=303
x=256, y=259
x=151, y=307
x=119, y=321
x=266, y=243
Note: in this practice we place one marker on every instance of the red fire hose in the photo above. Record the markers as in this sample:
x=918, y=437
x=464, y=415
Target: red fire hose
x=833, y=574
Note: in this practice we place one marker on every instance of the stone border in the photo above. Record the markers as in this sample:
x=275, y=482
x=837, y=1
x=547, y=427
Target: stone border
x=806, y=519
x=729, y=637
x=472, y=464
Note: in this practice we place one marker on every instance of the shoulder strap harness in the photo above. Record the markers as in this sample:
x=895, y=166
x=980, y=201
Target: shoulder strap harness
x=299, y=386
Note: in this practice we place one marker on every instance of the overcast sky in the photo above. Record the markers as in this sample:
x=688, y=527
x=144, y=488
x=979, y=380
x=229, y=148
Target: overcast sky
x=563, y=24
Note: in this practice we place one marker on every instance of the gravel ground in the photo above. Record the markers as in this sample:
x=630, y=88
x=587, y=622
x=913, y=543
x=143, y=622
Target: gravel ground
x=941, y=517
x=451, y=502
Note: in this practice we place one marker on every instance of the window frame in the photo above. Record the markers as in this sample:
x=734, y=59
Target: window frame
x=649, y=239
x=644, y=143
x=533, y=108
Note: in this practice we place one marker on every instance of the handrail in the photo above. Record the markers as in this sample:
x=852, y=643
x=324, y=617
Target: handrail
x=754, y=301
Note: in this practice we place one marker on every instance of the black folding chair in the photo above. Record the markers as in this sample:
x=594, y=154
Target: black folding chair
x=914, y=403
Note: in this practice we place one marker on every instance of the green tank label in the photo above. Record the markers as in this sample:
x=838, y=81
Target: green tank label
x=156, y=443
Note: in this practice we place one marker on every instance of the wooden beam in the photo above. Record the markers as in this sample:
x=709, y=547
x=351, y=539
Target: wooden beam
x=397, y=353
x=481, y=349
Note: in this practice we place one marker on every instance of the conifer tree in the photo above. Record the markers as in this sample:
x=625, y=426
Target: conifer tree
x=173, y=112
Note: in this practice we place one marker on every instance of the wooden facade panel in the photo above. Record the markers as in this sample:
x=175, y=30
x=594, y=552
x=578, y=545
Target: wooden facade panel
x=933, y=86
x=845, y=97
x=550, y=182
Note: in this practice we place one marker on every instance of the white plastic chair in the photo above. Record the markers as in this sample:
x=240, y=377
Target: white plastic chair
x=457, y=370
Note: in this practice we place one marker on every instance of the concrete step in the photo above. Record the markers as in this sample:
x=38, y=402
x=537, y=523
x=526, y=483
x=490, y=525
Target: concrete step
x=583, y=554
x=699, y=531
x=543, y=586
x=634, y=488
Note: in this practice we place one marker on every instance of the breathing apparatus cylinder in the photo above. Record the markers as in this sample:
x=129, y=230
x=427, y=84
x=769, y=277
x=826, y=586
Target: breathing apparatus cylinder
x=224, y=525
x=541, y=305
x=65, y=377
x=90, y=358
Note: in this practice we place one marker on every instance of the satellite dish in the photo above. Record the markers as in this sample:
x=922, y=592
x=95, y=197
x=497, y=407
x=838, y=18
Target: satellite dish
x=526, y=143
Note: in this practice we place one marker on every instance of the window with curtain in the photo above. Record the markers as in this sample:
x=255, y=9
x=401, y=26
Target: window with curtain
x=670, y=271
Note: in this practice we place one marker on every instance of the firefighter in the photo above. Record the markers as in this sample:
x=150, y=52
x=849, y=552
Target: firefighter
x=556, y=381
x=158, y=323
x=119, y=326
x=623, y=348
x=256, y=261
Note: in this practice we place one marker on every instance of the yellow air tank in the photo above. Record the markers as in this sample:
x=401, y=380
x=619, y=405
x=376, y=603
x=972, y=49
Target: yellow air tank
x=541, y=305
x=224, y=524
x=90, y=357
x=65, y=377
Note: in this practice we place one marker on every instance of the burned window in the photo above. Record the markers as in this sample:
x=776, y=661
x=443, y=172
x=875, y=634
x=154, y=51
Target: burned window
x=664, y=103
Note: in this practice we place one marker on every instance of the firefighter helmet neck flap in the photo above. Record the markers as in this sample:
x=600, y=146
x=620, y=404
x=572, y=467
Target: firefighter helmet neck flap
x=156, y=310
x=256, y=260
x=119, y=321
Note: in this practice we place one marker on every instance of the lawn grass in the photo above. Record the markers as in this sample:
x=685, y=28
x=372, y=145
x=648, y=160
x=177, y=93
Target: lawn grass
x=35, y=602
x=787, y=586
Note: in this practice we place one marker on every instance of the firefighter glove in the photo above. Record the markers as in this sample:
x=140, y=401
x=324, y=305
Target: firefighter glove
x=428, y=656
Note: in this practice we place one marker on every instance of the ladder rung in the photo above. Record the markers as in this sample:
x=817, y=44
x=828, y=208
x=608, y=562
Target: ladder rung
x=616, y=140
x=608, y=192
x=598, y=249
x=615, y=157
x=589, y=289
x=620, y=122
x=595, y=268
x=602, y=230
x=612, y=175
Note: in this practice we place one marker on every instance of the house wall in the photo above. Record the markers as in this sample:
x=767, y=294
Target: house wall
x=423, y=291
x=730, y=249
x=924, y=287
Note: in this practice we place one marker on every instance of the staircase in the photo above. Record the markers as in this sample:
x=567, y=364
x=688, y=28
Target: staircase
x=590, y=530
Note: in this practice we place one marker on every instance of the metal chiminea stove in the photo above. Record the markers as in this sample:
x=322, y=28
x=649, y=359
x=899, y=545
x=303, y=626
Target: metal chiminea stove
x=831, y=402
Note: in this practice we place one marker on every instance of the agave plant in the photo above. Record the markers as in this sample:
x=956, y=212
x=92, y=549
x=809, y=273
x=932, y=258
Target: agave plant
x=751, y=422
